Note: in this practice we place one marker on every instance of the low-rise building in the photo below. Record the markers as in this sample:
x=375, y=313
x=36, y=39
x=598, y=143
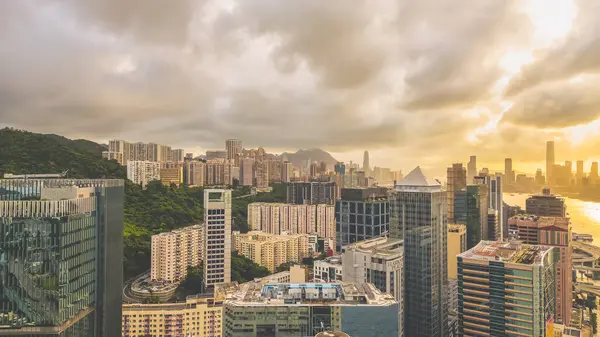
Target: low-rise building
x=197, y=316
x=257, y=309
x=328, y=270
x=270, y=250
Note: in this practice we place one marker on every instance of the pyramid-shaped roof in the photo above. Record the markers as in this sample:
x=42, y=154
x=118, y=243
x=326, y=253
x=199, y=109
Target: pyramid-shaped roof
x=417, y=178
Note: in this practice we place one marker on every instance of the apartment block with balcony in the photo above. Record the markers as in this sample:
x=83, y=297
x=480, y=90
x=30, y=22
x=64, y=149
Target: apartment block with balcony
x=173, y=252
x=271, y=250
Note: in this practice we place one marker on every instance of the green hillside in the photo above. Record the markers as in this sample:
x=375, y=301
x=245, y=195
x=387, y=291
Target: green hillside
x=23, y=152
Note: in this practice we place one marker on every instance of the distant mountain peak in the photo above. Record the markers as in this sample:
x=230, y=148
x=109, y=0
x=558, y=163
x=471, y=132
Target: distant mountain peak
x=300, y=157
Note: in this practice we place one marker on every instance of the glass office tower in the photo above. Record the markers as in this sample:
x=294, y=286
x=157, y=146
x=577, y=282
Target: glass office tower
x=61, y=257
x=418, y=215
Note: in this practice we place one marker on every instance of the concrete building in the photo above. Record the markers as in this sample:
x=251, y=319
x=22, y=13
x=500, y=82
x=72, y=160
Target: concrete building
x=177, y=155
x=173, y=252
x=275, y=171
x=471, y=209
x=172, y=175
x=509, y=174
x=456, y=181
x=579, y=174
x=361, y=213
x=556, y=232
x=277, y=218
x=199, y=316
x=195, y=173
x=219, y=172
x=271, y=250
x=457, y=243
x=328, y=270
x=506, y=289
x=495, y=199
x=546, y=204
x=211, y=155
x=311, y=193
x=217, y=237
x=379, y=261
x=366, y=166
x=61, y=257
x=116, y=156
x=550, y=162
x=262, y=174
x=286, y=172
x=259, y=309
x=418, y=216
x=234, y=150
x=493, y=227
x=143, y=172
x=472, y=169
x=246, y=171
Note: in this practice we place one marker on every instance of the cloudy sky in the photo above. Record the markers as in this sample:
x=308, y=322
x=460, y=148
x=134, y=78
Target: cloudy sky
x=414, y=82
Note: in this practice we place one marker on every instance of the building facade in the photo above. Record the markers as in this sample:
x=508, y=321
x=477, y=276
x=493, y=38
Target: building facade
x=198, y=316
x=286, y=172
x=556, y=232
x=195, y=173
x=457, y=243
x=418, y=216
x=246, y=171
x=217, y=237
x=328, y=270
x=142, y=172
x=172, y=175
x=546, y=204
x=471, y=209
x=456, y=181
x=361, y=214
x=61, y=251
x=234, y=149
x=173, y=252
x=310, y=193
x=271, y=250
x=257, y=309
x=506, y=289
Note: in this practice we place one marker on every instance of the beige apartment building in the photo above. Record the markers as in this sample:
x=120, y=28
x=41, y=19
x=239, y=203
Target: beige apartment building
x=173, y=252
x=271, y=250
x=198, y=316
x=276, y=218
x=457, y=243
x=195, y=173
x=143, y=172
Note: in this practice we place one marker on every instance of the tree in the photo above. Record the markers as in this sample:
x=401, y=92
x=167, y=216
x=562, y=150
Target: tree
x=284, y=267
x=590, y=302
x=244, y=269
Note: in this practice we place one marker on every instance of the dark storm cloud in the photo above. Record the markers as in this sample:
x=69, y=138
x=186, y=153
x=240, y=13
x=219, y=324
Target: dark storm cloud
x=557, y=104
x=578, y=53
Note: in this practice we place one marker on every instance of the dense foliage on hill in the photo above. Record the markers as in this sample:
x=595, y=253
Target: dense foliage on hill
x=244, y=269
x=239, y=208
x=23, y=152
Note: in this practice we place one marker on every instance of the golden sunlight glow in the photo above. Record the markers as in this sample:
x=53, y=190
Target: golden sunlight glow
x=551, y=20
x=579, y=133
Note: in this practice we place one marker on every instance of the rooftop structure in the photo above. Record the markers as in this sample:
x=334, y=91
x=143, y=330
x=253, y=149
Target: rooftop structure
x=417, y=181
x=509, y=252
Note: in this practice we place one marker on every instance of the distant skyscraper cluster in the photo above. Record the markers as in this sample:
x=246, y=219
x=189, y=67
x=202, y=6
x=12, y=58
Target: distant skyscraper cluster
x=126, y=151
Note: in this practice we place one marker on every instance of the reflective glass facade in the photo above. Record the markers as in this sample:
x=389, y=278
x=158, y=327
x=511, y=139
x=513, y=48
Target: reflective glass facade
x=61, y=257
x=360, y=220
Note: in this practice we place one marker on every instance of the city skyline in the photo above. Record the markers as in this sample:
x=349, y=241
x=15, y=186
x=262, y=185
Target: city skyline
x=261, y=74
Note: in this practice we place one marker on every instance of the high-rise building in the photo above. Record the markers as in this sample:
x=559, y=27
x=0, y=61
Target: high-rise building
x=260, y=309
x=549, y=162
x=494, y=230
x=579, y=173
x=262, y=174
x=546, y=204
x=217, y=237
x=116, y=156
x=311, y=193
x=340, y=168
x=219, y=172
x=195, y=173
x=472, y=169
x=539, y=177
x=286, y=172
x=361, y=213
x=246, y=171
x=143, y=172
x=61, y=257
x=366, y=166
x=594, y=173
x=471, y=209
x=173, y=175
x=234, y=149
x=418, y=216
x=210, y=155
x=199, y=316
x=275, y=170
x=456, y=181
x=509, y=174
x=506, y=289
x=314, y=170
x=177, y=155
x=457, y=243
x=556, y=232
x=173, y=252
x=378, y=261
x=271, y=250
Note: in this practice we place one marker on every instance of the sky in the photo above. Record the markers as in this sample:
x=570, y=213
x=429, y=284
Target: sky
x=424, y=83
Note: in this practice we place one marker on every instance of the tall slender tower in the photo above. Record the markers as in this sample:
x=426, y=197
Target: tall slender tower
x=217, y=237
x=508, y=171
x=471, y=169
x=456, y=181
x=366, y=162
x=234, y=149
x=549, y=161
x=418, y=215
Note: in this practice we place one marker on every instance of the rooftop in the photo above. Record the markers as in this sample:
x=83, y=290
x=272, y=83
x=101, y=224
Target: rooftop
x=263, y=293
x=456, y=228
x=416, y=180
x=541, y=222
x=511, y=252
x=382, y=246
